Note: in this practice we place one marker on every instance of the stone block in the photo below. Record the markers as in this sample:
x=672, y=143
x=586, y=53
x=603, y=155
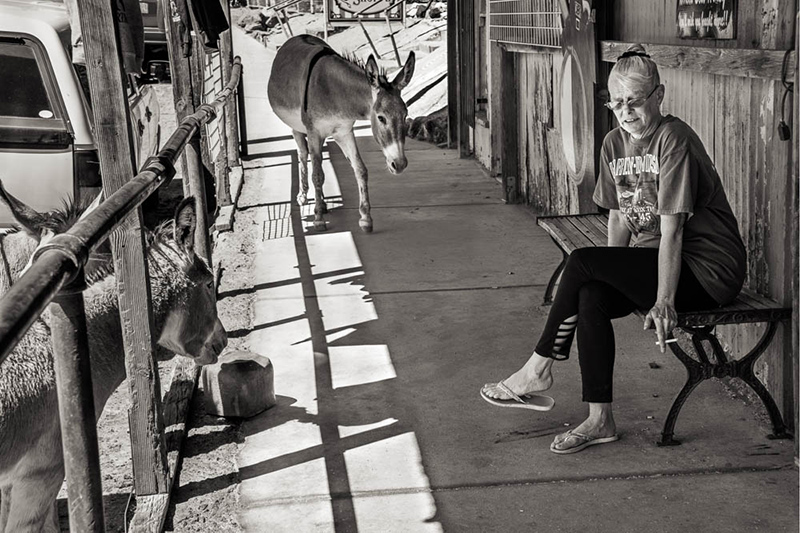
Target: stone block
x=240, y=384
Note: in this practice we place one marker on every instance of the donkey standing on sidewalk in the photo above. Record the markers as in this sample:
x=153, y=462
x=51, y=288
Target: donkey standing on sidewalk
x=186, y=322
x=320, y=94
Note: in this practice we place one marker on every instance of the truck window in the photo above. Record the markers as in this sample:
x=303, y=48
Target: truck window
x=23, y=93
x=30, y=111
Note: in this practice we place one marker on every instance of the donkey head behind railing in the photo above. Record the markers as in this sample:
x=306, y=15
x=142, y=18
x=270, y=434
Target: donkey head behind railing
x=185, y=320
x=319, y=93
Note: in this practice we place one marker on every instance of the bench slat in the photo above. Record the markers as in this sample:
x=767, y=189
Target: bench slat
x=600, y=222
x=562, y=234
x=598, y=237
x=756, y=300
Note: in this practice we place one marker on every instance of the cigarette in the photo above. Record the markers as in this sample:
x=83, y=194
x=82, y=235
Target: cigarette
x=668, y=341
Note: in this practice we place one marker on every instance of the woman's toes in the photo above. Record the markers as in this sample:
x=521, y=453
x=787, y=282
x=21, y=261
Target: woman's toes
x=493, y=391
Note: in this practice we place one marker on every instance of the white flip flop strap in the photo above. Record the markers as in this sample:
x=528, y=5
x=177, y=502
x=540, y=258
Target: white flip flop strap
x=510, y=392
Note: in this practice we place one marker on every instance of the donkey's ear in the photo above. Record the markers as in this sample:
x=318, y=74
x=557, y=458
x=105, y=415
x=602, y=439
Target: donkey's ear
x=372, y=71
x=185, y=224
x=404, y=76
x=30, y=220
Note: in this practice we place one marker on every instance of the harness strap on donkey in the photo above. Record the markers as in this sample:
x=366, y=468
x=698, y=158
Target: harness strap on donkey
x=319, y=51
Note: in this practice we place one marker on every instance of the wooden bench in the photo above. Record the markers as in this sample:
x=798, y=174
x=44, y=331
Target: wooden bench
x=580, y=231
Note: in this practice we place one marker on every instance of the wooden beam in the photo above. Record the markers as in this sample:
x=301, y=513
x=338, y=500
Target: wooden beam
x=197, y=181
x=151, y=511
x=230, y=147
x=453, y=91
x=794, y=248
x=748, y=63
x=183, y=90
x=117, y=165
x=509, y=125
x=564, y=8
x=520, y=48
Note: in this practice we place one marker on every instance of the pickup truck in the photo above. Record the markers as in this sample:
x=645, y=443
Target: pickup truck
x=156, y=57
x=47, y=149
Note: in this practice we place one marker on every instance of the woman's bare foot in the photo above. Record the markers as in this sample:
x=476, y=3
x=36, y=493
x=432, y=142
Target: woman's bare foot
x=599, y=425
x=534, y=376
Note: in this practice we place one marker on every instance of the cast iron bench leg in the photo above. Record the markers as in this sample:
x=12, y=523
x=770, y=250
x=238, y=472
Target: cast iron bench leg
x=743, y=369
x=695, y=375
x=551, y=285
x=705, y=369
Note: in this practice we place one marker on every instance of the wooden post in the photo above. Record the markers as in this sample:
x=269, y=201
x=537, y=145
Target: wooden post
x=453, y=92
x=391, y=37
x=795, y=246
x=198, y=67
x=180, y=72
x=227, y=121
x=509, y=125
x=243, y=149
x=221, y=168
x=117, y=165
x=183, y=90
x=466, y=76
x=496, y=106
x=325, y=19
x=197, y=180
x=288, y=26
x=76, y=409
x=369, y=39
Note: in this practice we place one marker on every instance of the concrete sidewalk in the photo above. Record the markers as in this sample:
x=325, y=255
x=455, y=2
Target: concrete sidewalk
x=381, y=343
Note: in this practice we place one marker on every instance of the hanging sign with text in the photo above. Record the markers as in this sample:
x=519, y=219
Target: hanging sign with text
x=349, y=11
x=707, y=19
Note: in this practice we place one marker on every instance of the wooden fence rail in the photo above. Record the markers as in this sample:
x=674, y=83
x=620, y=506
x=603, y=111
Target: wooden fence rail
x=56, y=275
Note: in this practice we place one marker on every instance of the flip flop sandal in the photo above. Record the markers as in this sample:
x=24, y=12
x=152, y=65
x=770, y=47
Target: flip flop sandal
x=582, y=441
x=537, y=402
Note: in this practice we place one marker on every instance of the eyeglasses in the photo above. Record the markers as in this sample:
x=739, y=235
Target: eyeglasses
x=616, y=105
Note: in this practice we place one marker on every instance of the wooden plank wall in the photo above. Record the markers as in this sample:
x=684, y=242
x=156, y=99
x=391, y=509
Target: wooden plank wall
x=543, y=180
x=737, y=120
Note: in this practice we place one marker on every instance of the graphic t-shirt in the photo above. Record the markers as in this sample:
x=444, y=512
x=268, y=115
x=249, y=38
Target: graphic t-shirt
x=668, y=173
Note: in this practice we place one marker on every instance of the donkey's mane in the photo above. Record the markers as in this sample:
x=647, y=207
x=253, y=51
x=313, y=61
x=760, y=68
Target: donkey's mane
x=60, y=220
x=351, y=57
x=100, y=263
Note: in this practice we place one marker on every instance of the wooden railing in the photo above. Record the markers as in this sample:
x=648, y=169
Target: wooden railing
x=56, y=278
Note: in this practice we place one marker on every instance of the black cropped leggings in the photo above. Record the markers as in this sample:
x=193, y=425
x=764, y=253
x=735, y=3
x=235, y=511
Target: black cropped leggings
x=598, y=285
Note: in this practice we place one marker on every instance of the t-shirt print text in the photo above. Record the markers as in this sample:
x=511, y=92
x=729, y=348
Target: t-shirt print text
x=625, y=166
x=637, y=191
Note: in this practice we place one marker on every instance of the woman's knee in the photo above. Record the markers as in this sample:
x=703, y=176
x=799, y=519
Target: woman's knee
x=593, y=296
x=583, y=259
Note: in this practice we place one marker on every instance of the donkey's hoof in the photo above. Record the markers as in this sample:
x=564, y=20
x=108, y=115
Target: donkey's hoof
x=366, y=226
x=319, y=225
x=302, y=199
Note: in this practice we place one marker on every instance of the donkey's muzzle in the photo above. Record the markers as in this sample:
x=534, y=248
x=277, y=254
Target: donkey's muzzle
x=396, y=166
x=213, y=346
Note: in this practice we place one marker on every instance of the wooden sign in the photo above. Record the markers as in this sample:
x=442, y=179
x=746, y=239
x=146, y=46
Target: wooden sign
x=707, y=19
x=347, y=12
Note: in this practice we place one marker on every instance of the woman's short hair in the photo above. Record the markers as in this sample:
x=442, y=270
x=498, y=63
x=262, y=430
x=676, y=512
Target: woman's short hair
x=636, y=67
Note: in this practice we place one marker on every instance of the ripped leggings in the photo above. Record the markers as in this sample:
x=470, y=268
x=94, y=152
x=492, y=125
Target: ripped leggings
x=598, y=285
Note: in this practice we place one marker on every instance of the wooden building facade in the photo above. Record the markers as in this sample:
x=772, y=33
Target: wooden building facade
x=538, y=72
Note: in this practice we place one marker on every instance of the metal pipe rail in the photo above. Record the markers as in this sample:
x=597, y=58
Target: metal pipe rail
x=58, y=262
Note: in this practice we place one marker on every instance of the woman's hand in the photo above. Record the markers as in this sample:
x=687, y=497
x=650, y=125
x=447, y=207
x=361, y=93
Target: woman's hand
x=663, y=315
x=664, y=318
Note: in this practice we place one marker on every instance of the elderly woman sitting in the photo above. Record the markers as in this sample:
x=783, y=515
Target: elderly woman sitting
x=673, y=245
